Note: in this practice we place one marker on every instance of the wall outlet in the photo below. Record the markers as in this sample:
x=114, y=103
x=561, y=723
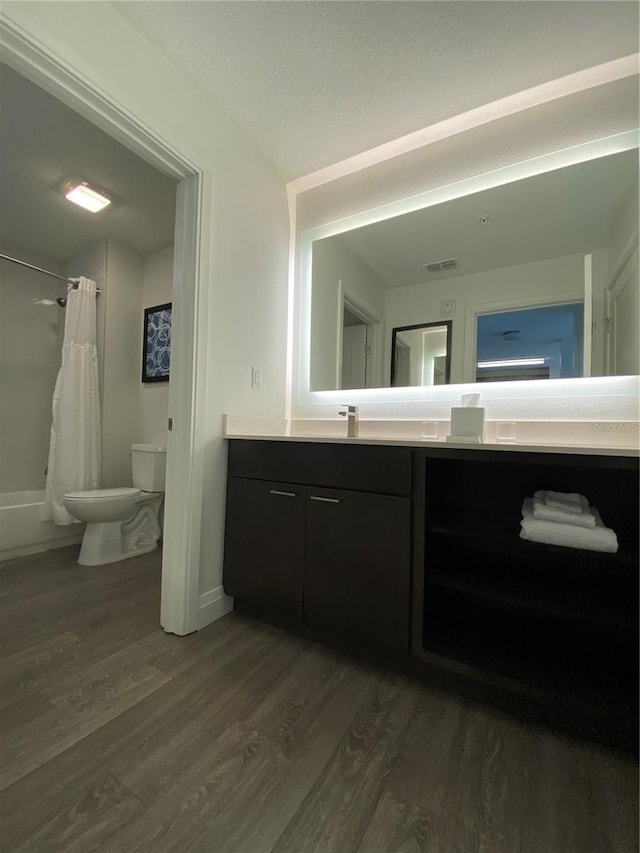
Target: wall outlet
x=256, y=378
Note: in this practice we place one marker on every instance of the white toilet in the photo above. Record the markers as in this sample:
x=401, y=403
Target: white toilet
x=123, y=522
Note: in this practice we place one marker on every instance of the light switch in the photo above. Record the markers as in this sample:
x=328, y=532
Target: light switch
x=448, y=308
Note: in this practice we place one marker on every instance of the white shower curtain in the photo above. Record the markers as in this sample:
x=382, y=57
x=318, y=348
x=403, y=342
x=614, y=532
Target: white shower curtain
x=74, y=446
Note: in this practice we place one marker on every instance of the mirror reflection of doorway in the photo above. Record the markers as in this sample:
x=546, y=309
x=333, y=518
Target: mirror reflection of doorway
x=359, y=343
x=355, y=351
x=622, y=306
x=545, y=342
x=402, y=355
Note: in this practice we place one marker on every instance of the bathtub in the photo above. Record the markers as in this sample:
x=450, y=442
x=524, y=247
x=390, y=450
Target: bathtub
x=22, y=531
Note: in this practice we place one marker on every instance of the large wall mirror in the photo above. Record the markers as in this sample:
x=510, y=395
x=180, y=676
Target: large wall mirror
x=536, y=278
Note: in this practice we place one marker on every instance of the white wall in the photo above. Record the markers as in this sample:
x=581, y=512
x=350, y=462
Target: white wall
x=247, y=320
x=551, y=280
x=30, y=347
x=121, y=393
x=157, y=289
x=624, y=234
x=599, y=277
x=607, y=263
x=333, y=264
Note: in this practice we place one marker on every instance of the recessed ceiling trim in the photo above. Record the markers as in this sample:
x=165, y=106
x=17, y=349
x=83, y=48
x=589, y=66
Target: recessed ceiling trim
x=607, y=72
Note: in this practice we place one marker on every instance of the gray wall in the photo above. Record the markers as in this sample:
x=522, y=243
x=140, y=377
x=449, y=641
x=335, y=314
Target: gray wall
x=30, y=341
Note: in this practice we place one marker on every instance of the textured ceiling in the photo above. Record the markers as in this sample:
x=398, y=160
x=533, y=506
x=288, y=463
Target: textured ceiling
x=315, y=82
x=311, y=82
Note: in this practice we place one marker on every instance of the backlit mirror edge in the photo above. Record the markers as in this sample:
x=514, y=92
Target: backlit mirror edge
x=314, y=401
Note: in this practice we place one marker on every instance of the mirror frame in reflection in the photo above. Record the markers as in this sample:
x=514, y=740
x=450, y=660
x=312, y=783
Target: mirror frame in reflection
x=424, y=367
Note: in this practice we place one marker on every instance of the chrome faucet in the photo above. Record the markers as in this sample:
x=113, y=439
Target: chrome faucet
x=351, y=414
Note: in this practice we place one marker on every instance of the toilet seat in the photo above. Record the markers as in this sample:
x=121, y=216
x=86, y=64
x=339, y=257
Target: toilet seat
x=100, y=494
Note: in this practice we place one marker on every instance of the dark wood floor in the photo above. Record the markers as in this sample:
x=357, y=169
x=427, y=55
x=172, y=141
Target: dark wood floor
x=240, y=738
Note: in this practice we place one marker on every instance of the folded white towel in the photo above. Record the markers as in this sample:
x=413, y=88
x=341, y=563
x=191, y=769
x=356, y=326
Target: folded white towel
x=551, y=513
x=568, y=501
x=598, y=538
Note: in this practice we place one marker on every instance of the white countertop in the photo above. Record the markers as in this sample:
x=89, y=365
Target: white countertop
x=538, y=437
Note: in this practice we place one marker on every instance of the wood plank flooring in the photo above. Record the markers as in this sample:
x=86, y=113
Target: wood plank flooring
x=240, y=738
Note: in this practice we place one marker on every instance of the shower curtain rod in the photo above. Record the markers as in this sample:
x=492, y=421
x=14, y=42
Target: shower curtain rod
x=73, y=281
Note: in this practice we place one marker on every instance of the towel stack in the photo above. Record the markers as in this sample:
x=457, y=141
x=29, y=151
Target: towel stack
x=565, y=518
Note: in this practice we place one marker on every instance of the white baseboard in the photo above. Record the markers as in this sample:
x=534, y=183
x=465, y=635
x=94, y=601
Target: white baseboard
x=212, y=605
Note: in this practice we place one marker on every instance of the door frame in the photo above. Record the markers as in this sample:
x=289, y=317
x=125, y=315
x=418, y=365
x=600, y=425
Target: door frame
x=347, y=299
x=194, y=221
x=518, y=303
x=627, y=260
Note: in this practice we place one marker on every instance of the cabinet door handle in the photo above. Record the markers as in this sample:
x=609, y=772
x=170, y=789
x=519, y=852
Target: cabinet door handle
x=283, y=494
x=325, y=500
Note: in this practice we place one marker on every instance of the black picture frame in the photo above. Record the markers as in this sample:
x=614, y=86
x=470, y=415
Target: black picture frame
x=447, y=324
x=156, y=343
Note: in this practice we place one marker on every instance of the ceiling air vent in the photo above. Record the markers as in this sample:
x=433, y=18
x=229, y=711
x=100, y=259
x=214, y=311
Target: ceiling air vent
x=442, y=266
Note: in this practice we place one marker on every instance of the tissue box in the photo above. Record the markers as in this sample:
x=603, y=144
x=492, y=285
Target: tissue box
x=467, y=422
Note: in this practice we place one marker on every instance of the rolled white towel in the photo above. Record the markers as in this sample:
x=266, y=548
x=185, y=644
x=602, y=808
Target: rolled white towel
x=551, y=513
x=598, y=538
x=568, y=501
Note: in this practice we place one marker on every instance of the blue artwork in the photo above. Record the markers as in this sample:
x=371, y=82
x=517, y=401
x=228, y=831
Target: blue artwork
x=156, y=358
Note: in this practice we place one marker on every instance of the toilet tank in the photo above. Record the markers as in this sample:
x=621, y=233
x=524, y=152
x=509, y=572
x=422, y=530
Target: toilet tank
x=148, y=466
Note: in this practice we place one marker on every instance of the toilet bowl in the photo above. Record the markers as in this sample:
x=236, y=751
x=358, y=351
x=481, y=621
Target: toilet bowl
x=122, y=522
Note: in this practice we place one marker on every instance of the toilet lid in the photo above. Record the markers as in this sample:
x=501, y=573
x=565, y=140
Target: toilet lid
x=98, y=494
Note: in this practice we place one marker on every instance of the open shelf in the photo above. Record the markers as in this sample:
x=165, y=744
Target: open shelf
x=499, y=530
x=548, y=625
x=530, y=653
x=536, y=581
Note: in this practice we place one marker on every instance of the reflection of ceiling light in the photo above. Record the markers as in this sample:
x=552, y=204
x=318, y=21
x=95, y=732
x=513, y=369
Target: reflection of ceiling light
x=513, y=362
x=79, y=192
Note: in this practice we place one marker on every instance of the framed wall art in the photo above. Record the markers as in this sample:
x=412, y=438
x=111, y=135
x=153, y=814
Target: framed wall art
x=156, y=343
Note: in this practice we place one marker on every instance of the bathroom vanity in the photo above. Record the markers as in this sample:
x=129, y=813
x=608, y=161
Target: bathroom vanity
x=409, y=552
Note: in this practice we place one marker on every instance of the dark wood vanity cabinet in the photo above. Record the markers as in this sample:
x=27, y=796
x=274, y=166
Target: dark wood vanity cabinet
x=416, y=552
x=264, y=545
x=356, y=567
x=335, y=559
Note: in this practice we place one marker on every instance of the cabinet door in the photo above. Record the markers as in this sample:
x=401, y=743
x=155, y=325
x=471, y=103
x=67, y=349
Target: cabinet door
x=264, y=545
x=356, y=579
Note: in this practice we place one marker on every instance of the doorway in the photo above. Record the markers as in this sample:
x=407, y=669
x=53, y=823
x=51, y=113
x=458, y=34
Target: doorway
x=181, y=544
x=622, y=310
x=359, y=349
x=542, y=342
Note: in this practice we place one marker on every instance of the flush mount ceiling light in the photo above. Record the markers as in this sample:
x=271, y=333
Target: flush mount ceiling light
x=82, y=193
x=513, y=334
x=513, y=362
